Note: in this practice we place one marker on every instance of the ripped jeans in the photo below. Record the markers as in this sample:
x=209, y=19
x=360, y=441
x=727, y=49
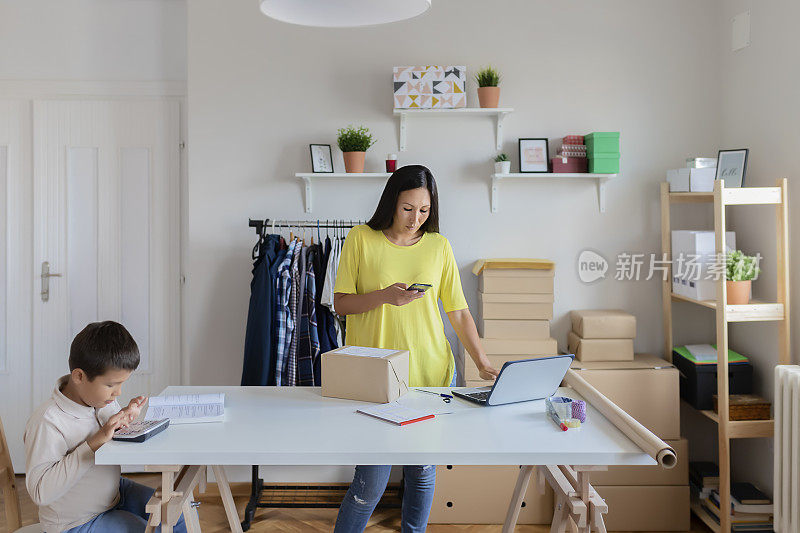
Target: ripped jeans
x=368, y=486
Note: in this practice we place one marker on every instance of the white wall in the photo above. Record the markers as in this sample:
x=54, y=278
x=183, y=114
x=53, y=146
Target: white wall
x=760, y=112
x=93, y=40
x=261, y=91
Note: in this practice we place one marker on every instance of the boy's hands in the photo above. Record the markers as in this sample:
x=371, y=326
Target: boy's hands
x=122, y=419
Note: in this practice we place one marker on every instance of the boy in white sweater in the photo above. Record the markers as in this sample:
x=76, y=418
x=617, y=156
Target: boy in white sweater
x=72, y=492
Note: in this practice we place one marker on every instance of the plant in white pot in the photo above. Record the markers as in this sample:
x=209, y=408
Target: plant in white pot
x=488, y=91
x=740, y=270
x=354, y=143
x=502, y=165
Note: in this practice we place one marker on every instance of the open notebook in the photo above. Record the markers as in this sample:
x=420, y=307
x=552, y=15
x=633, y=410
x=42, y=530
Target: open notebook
x=187, y=408
x=395, y=413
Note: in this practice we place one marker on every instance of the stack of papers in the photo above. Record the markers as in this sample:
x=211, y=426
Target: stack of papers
x=187, y=408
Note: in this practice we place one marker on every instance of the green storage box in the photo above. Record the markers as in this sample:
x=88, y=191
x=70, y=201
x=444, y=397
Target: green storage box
x=604, y=163
x=600, y=141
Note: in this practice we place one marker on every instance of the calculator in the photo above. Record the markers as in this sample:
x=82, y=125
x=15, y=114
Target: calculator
x=141, y=431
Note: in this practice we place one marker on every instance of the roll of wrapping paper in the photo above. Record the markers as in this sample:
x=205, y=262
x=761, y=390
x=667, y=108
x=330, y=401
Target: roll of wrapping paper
x=640, y=435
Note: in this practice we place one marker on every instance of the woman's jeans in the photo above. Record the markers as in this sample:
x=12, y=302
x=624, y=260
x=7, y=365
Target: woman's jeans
x=128, y=516
x=368, y=486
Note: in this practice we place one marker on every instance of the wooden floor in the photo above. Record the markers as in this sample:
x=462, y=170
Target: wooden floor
x=212, y=516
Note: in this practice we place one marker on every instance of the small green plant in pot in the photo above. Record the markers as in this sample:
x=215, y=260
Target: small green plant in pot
x=502, y=165
x=740, y=270
x=488, y=91
x=354, y=143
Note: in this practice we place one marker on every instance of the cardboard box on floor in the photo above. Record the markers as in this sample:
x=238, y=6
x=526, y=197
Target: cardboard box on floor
x=603, y=324
x=497, y=361
x=516, y=281
x=518, y=275
x=481, y=494
x=531, y=347
x=645, y=388
x=649, y=475
x=515, y=306
x=600, y=349
x=650, y=508
x=514, y=329
x=365, y=374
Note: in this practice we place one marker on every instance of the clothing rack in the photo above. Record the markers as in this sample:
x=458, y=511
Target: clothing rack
x=329, y=224
x=308, y=496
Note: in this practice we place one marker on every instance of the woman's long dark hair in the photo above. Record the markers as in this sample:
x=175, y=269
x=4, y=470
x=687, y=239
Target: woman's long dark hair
x=404, y=179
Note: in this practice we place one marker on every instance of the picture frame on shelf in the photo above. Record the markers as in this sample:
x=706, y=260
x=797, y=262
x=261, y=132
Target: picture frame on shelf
x=533, y=155
x=732, y=166
x=321, y=158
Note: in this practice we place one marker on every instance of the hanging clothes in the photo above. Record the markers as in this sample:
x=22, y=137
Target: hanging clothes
x=275, y=303
x=285, y=321
x=308, y=339
x=317, y=259
x=259, y=332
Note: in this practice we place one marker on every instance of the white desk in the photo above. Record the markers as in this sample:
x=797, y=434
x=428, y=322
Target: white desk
x=297, y=426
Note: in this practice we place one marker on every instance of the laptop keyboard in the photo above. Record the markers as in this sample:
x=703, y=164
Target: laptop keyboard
x=480, y=396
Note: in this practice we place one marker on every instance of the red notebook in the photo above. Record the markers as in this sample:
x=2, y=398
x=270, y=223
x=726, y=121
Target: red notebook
x=395, y=413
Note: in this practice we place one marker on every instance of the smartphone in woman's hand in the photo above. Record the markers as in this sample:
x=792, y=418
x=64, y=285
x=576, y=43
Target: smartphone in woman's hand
x=420, y=287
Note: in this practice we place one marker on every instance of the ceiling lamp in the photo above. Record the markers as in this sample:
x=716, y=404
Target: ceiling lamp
x=343, y=13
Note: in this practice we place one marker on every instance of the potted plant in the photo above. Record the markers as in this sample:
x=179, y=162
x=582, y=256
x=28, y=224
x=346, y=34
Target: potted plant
x=502, y=165
x=740, y=270
x=354, y=142
x=488, y=92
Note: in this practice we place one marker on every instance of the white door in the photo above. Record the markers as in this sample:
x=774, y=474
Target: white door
x=106, y=229
x=16, y=280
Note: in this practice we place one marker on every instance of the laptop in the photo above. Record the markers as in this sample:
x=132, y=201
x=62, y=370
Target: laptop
x=521, y=381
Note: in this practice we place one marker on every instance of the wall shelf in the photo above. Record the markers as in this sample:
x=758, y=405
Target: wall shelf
x=498, y=112
x=308, y=177
x=601, y=180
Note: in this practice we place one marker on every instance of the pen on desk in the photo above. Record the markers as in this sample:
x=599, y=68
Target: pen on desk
x=434, y=393
x=558, y=421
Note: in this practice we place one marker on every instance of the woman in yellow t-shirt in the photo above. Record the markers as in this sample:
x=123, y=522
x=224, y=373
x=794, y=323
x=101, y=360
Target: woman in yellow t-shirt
x=399, y=246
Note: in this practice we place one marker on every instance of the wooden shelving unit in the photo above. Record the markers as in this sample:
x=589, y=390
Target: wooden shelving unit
x=755, y=311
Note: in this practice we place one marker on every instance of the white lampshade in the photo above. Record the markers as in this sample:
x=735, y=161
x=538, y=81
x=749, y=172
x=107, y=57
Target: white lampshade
x=343, y=13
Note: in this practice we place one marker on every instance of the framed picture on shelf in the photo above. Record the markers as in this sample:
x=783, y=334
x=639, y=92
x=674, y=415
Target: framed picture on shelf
x=533, y=155
x=731, y=167
x=321, y=158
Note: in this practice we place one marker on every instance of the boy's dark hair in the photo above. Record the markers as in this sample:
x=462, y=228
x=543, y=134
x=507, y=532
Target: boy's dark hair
x=103, y=346
x=404, y=179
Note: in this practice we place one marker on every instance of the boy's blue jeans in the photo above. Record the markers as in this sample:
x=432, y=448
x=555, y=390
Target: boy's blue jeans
x=128, y=516
x=368, y=486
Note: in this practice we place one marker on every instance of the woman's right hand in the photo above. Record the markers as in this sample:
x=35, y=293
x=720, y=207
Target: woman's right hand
x=398, y=295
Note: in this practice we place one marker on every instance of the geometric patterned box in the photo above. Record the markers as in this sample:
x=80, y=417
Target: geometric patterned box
x=429, y=87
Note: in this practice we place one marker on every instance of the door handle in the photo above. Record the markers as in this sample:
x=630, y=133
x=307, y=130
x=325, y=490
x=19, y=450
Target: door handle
x=46, y=275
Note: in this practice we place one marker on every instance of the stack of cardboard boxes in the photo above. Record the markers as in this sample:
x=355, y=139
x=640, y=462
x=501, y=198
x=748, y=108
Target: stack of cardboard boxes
x=515, y=305
x=647, y=388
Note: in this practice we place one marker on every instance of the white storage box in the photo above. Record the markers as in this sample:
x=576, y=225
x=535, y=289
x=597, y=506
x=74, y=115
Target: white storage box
x=690, y=281
x=691, y=179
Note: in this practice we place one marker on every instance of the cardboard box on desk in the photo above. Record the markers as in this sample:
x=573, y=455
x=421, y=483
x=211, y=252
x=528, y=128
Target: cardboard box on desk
x=514, y=329
x=365, y=374
x=603, y=324
x=646, y=388
x=650, y=508
x=480, y=495
x=515, y=306
x=600, y=349
x=649, y=475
